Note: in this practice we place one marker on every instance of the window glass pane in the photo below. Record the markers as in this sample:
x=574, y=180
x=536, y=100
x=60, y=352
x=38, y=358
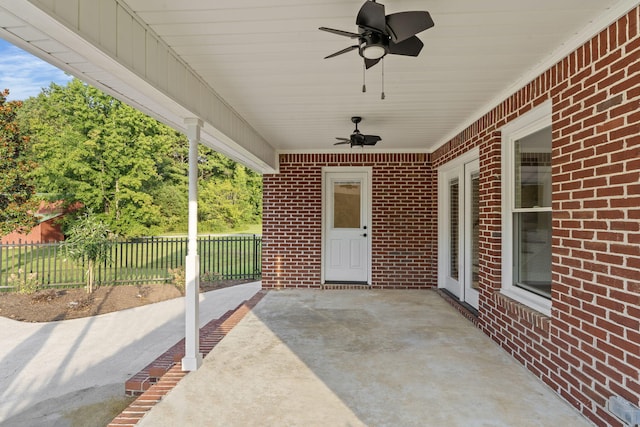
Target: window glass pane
x=475, y=229
x=454, y=196
x=533, y=170
x=532, y=251
x=346, y=204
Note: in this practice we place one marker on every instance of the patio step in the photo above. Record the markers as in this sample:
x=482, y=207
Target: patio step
x=210, y=335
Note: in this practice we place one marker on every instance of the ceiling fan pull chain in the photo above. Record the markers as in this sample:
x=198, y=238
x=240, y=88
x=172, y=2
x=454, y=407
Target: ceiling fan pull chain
x=382, y=65
x=364, y=86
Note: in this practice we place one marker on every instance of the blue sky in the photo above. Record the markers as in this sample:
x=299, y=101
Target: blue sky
x=24, y=74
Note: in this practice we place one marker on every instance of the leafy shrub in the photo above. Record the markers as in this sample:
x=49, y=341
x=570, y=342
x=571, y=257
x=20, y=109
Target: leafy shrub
x=24, y=283
x=211, y=276
x=178, y=276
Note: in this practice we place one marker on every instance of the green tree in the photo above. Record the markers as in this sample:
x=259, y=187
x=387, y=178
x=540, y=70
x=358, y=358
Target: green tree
x=17, y=202
x=131, y=170
x=89, y=240
x=95, y=149
x=229, y=194
x=230, y=200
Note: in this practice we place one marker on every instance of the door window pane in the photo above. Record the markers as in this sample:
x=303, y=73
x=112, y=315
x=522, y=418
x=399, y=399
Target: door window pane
x=454, y=227
x=533, y=170
x=475, y=230
x=346, y=204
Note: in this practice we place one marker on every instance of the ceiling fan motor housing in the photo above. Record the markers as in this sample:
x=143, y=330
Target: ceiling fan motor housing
x=373, y=45
x=357, y=138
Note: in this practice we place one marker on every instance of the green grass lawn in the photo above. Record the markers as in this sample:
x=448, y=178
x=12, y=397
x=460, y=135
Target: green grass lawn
x=247, y=229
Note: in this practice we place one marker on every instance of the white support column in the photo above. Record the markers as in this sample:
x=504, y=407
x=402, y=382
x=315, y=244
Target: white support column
x=192, y=357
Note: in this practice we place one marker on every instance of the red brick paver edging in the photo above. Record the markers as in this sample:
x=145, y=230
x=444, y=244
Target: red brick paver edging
x=161, y=376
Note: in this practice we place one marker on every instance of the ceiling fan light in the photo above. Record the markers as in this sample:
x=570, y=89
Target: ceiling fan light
x=373, y=52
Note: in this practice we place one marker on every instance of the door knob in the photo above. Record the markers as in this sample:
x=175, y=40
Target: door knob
x=364, y=235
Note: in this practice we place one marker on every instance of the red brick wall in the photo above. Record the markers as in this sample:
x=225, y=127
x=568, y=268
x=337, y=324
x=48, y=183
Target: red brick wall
x=590, y=347
x=403, y=215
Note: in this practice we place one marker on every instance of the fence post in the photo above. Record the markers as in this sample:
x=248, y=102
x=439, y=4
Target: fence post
x=19, y=257
x=255, y=257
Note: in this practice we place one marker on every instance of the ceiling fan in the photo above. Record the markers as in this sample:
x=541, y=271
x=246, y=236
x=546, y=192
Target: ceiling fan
x=379, y=35
x=358, y=139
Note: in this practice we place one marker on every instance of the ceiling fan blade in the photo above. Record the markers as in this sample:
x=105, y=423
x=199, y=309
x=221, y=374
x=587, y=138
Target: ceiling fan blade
x=343, y=142
x=371, y=139
x=368, y=63
x=340, y=32
x=409, y=47
x=340, y=52
x=371, y=15
x=403, y=25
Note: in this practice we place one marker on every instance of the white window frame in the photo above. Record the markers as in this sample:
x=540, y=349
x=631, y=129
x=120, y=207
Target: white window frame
x=533, y=121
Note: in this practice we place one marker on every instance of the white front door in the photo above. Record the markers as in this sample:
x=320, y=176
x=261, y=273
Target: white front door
x=458, y=229
x=347, y=229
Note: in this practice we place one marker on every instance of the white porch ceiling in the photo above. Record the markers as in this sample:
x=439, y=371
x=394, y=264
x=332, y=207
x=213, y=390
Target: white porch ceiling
x=264, y=58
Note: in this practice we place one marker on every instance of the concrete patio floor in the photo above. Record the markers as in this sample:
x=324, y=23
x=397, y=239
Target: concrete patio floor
x=356, y=358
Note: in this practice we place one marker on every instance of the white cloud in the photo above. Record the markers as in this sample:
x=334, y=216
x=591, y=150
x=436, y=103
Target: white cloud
x=24, y=74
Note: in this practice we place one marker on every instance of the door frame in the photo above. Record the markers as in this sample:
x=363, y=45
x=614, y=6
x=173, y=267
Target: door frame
x=445, y=172
x=326, y=172
x=471, y=296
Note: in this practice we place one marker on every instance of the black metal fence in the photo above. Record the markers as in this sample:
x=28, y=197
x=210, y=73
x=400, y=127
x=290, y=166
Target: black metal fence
x=146, y=260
